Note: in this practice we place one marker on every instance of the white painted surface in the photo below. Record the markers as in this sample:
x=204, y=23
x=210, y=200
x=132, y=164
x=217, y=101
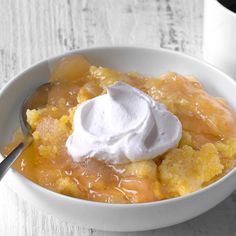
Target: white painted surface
x=31, y=30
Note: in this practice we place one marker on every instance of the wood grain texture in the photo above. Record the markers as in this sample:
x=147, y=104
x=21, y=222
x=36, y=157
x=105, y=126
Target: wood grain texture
x=31, y=30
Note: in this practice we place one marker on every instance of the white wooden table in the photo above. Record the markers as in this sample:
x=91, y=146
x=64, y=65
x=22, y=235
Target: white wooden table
x=31, y=30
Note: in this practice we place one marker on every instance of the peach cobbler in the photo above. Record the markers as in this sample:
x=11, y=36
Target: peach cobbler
x=204, y=151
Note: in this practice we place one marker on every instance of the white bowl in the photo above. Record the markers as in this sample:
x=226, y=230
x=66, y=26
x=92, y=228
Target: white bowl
x=118, y=217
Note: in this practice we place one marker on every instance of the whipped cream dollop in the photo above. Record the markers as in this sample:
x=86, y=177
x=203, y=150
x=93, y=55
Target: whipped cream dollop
x=123, y=125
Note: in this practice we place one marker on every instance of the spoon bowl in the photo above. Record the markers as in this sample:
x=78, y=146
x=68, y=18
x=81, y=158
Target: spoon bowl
x=35, y=100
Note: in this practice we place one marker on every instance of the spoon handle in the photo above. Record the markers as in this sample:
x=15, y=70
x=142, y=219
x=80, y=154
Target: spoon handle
x=8, y=161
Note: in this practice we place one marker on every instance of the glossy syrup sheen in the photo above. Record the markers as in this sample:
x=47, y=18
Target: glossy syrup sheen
x=206, y=151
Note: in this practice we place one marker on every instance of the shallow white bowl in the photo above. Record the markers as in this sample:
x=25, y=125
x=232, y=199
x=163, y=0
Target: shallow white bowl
x=118, y=217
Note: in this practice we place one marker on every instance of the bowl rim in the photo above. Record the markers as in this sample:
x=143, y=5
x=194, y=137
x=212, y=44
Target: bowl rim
x=118, y=205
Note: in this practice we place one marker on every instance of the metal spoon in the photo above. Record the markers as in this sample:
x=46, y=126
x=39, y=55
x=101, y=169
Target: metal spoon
x=37, y=99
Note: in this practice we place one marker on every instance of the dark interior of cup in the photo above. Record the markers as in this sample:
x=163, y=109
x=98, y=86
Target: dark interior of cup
x=230, y=4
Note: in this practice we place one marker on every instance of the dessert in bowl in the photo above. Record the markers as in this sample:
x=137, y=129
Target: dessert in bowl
x=119, y=137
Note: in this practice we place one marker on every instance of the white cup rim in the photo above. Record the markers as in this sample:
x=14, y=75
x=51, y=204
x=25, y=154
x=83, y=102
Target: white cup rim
x=225, y=8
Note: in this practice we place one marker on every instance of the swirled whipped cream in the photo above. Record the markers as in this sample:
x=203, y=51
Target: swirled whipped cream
x=124, y=125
